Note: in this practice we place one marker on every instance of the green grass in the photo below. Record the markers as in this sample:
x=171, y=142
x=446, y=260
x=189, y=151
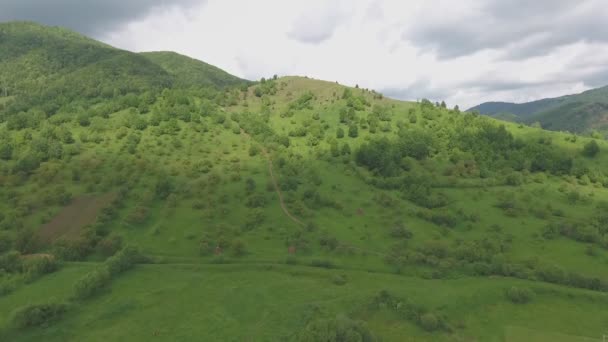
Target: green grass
x=236, y=302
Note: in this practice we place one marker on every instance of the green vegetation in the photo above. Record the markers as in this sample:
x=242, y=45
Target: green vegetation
x=289, y=209
x=580, y=113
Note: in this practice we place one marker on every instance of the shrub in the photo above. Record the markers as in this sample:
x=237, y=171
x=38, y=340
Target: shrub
x=72, y=249
x=25, y=241
x=37, y=315
x=38, y=266
x=591, y=149
x=238, y=248
x=519, y=295
x=10, y=262
x=5, y=242
x=91, y=283
x=338, y=329
x=139, y=214
x=340, y=133
x=429, y=322
x=399, y=231
x=109, y=245
x=123, y=260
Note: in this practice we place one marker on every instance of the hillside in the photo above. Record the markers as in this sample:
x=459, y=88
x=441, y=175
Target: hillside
x=44, y=63
x=294, y=209
x=578, y=113
x=191, y=72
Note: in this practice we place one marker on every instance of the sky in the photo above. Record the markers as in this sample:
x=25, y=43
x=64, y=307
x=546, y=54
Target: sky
x=464, y=52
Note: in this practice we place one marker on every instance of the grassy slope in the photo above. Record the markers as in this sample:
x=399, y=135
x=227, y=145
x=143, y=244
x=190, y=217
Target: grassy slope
x=258, y=296
x=186, y=297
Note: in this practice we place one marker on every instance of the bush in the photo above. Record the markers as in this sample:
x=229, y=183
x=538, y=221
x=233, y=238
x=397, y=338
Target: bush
x=109, y=245
x=10, y=262
x=5, y=242
x=37, y=315
x=519, y=295
x=429, y=322
x=339, y=329
x=591, y=149
x=91, y=283
x=238, y=248
x=123, y=260
x=72, y=249
x=38, y=266
x=399, y=231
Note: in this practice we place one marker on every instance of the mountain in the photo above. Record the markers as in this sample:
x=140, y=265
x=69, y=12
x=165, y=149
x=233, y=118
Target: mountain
x=289, y=209
x=43, y=62
x=578, y=113
x=191, y=72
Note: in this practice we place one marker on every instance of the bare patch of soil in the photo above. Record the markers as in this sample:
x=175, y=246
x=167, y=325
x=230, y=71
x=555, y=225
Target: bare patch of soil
x=70, y=221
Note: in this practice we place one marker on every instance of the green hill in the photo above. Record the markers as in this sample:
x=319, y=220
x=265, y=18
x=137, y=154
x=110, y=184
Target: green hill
x=293, y=210
x=578, y=113
x=44, y=63
x=191, y=72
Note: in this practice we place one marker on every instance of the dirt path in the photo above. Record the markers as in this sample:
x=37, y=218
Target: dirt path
x=275, y=183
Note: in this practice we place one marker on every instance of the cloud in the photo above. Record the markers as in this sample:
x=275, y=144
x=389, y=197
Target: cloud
x=317, y=24
x=421, y=89
x=518, y=29
x=91, y=17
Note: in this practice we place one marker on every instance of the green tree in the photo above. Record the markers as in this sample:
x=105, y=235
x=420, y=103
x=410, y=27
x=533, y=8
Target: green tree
x=340, y=133
x=6, y=151
x=353, y=131
x=591, y=149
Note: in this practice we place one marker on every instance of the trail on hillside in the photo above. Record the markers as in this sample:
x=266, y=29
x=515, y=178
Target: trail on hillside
x=282, y=202
x=274, y=182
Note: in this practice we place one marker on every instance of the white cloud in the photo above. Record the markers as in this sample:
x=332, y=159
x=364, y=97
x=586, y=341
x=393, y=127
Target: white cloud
x=377, y=44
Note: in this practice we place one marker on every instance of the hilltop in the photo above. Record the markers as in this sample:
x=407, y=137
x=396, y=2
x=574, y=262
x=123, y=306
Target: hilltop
x=289, y=209
x=579, y=113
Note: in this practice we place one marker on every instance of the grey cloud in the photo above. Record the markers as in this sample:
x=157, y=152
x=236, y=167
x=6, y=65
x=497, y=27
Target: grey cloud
x=524, y=28
x=91, y=17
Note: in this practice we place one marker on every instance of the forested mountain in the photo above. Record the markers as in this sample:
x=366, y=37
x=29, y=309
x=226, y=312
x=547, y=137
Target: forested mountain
x=50, y=68
x=189, y=72
x=578, y=113
x=151, y=196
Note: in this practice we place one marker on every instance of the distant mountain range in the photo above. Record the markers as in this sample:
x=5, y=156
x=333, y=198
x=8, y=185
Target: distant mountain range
x=578, y=113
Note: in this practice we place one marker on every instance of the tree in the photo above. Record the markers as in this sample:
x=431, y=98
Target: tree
x=6, y=150
x=353, y=131
x=591, y=149
x=345, y=149
x=340, y=133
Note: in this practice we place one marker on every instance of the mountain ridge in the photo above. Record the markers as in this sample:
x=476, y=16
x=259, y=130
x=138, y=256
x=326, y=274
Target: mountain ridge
x=580, y=113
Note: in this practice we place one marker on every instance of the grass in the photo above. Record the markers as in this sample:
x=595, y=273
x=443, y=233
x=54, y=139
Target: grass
x=270, y=302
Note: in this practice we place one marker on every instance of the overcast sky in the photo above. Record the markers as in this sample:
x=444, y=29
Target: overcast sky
x=464, y=52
